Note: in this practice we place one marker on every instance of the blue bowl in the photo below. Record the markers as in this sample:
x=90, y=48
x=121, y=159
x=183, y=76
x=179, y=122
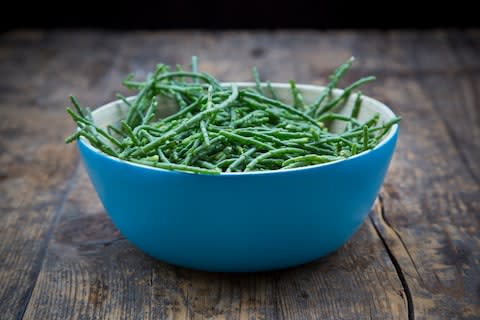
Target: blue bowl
x=237, y=222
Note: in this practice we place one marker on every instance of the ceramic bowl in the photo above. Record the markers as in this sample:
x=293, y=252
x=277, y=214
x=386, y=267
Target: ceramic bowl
x=238, y=222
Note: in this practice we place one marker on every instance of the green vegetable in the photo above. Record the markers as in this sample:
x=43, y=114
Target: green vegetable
x=220, y=128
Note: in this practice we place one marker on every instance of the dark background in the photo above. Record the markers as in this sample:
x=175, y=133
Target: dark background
x=246, y=14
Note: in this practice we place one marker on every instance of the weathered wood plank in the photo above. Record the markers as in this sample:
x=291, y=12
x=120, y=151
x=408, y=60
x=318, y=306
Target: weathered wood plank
x=457, y=99
x=88, y=265
x=34, y=172
x=90, y=272
x=35, y=166
x=430, y=210
x=34, y=180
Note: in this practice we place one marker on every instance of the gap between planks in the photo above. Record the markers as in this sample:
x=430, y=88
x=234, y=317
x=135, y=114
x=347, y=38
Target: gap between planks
x=379, y=221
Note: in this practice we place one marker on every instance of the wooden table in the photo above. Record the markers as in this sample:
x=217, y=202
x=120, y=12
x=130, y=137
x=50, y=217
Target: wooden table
x=417, y=256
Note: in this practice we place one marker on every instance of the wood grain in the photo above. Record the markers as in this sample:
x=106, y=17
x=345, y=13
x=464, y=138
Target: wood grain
x=36, y=168
x=417, y=257
x=429, y=212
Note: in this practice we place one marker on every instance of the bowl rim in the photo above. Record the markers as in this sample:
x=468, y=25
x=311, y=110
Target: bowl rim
x=391, y=134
